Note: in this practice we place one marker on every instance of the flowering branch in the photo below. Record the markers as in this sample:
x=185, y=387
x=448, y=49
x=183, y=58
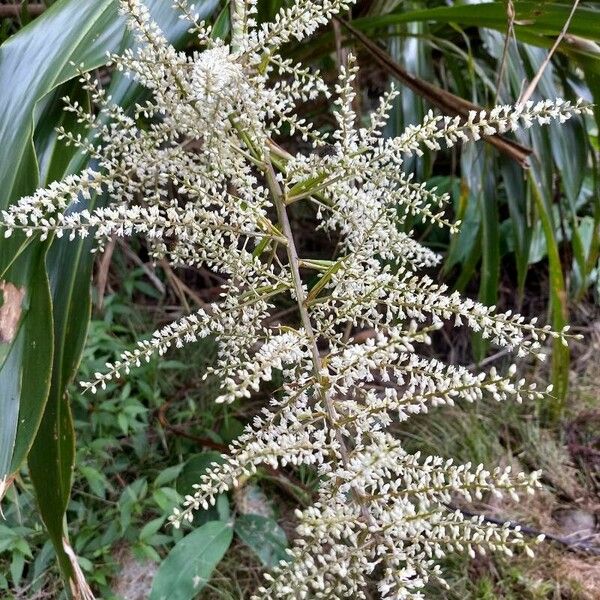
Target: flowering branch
x=205, y=185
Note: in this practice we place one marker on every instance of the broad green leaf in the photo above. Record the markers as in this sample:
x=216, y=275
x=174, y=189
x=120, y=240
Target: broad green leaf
x=231, y=429
x=222, y=506
x=151, y=528
x=32, y=64
x=188, y=567
x=167, y=475
x=166, y=498
x=264, y=537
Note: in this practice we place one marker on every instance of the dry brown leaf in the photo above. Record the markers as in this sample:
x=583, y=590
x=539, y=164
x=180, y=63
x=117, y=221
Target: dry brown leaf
x=10, y=311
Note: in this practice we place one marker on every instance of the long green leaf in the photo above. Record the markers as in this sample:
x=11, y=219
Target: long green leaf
x=558, y=306
x=79, y=32
x=414, y=55
x=535, y=18
x=490, y=245
x=25, y=370
x=30, y=67
x=514, y=183
x=32, y=64
x=536, y=23
x=568, y=146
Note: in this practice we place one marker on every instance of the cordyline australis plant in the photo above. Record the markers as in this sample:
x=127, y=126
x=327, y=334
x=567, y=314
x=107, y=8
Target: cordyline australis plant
x=381, y=513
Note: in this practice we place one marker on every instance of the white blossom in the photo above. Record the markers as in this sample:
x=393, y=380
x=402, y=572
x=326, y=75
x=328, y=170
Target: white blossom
x=205, y=185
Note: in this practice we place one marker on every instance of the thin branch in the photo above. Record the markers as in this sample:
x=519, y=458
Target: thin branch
x=13, y=11
x=301, y=300
x=531, y=87
x=181, y=289
x=103, y=269
x=158, y=284
x=573, y=545
x=510, y=29
x=340, y=53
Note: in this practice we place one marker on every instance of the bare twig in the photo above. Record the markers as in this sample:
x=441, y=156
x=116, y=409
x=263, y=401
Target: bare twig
x=13, y=11
x=179, y=431
x=340, y=53
x=533, y=84
x=510, y=12
x=176, y=284
x=158, y=284
x=181, y=288
x=491, y=358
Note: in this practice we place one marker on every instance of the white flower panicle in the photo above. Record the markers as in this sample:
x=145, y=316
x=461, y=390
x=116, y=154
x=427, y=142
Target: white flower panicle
x=202, y=181
x=296, y=22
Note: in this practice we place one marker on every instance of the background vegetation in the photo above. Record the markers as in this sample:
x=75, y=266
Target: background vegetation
x=104, y=471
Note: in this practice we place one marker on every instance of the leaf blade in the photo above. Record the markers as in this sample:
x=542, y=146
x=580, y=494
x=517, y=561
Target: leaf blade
x=264, y=537
x=187, y=568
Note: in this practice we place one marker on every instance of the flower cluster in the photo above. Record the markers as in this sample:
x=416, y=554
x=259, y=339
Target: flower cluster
x=206, y=185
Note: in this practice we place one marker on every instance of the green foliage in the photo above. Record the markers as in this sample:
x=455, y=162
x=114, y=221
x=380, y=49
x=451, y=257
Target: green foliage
x=264, y=537
x=189, y=565
x=129, y=471
x=194, y=467
x=37, y=365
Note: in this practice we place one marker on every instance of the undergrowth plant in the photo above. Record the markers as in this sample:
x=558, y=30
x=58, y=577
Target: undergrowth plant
x=197, y=173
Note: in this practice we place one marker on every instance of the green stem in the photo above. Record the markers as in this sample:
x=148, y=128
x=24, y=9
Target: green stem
x=284, y=223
